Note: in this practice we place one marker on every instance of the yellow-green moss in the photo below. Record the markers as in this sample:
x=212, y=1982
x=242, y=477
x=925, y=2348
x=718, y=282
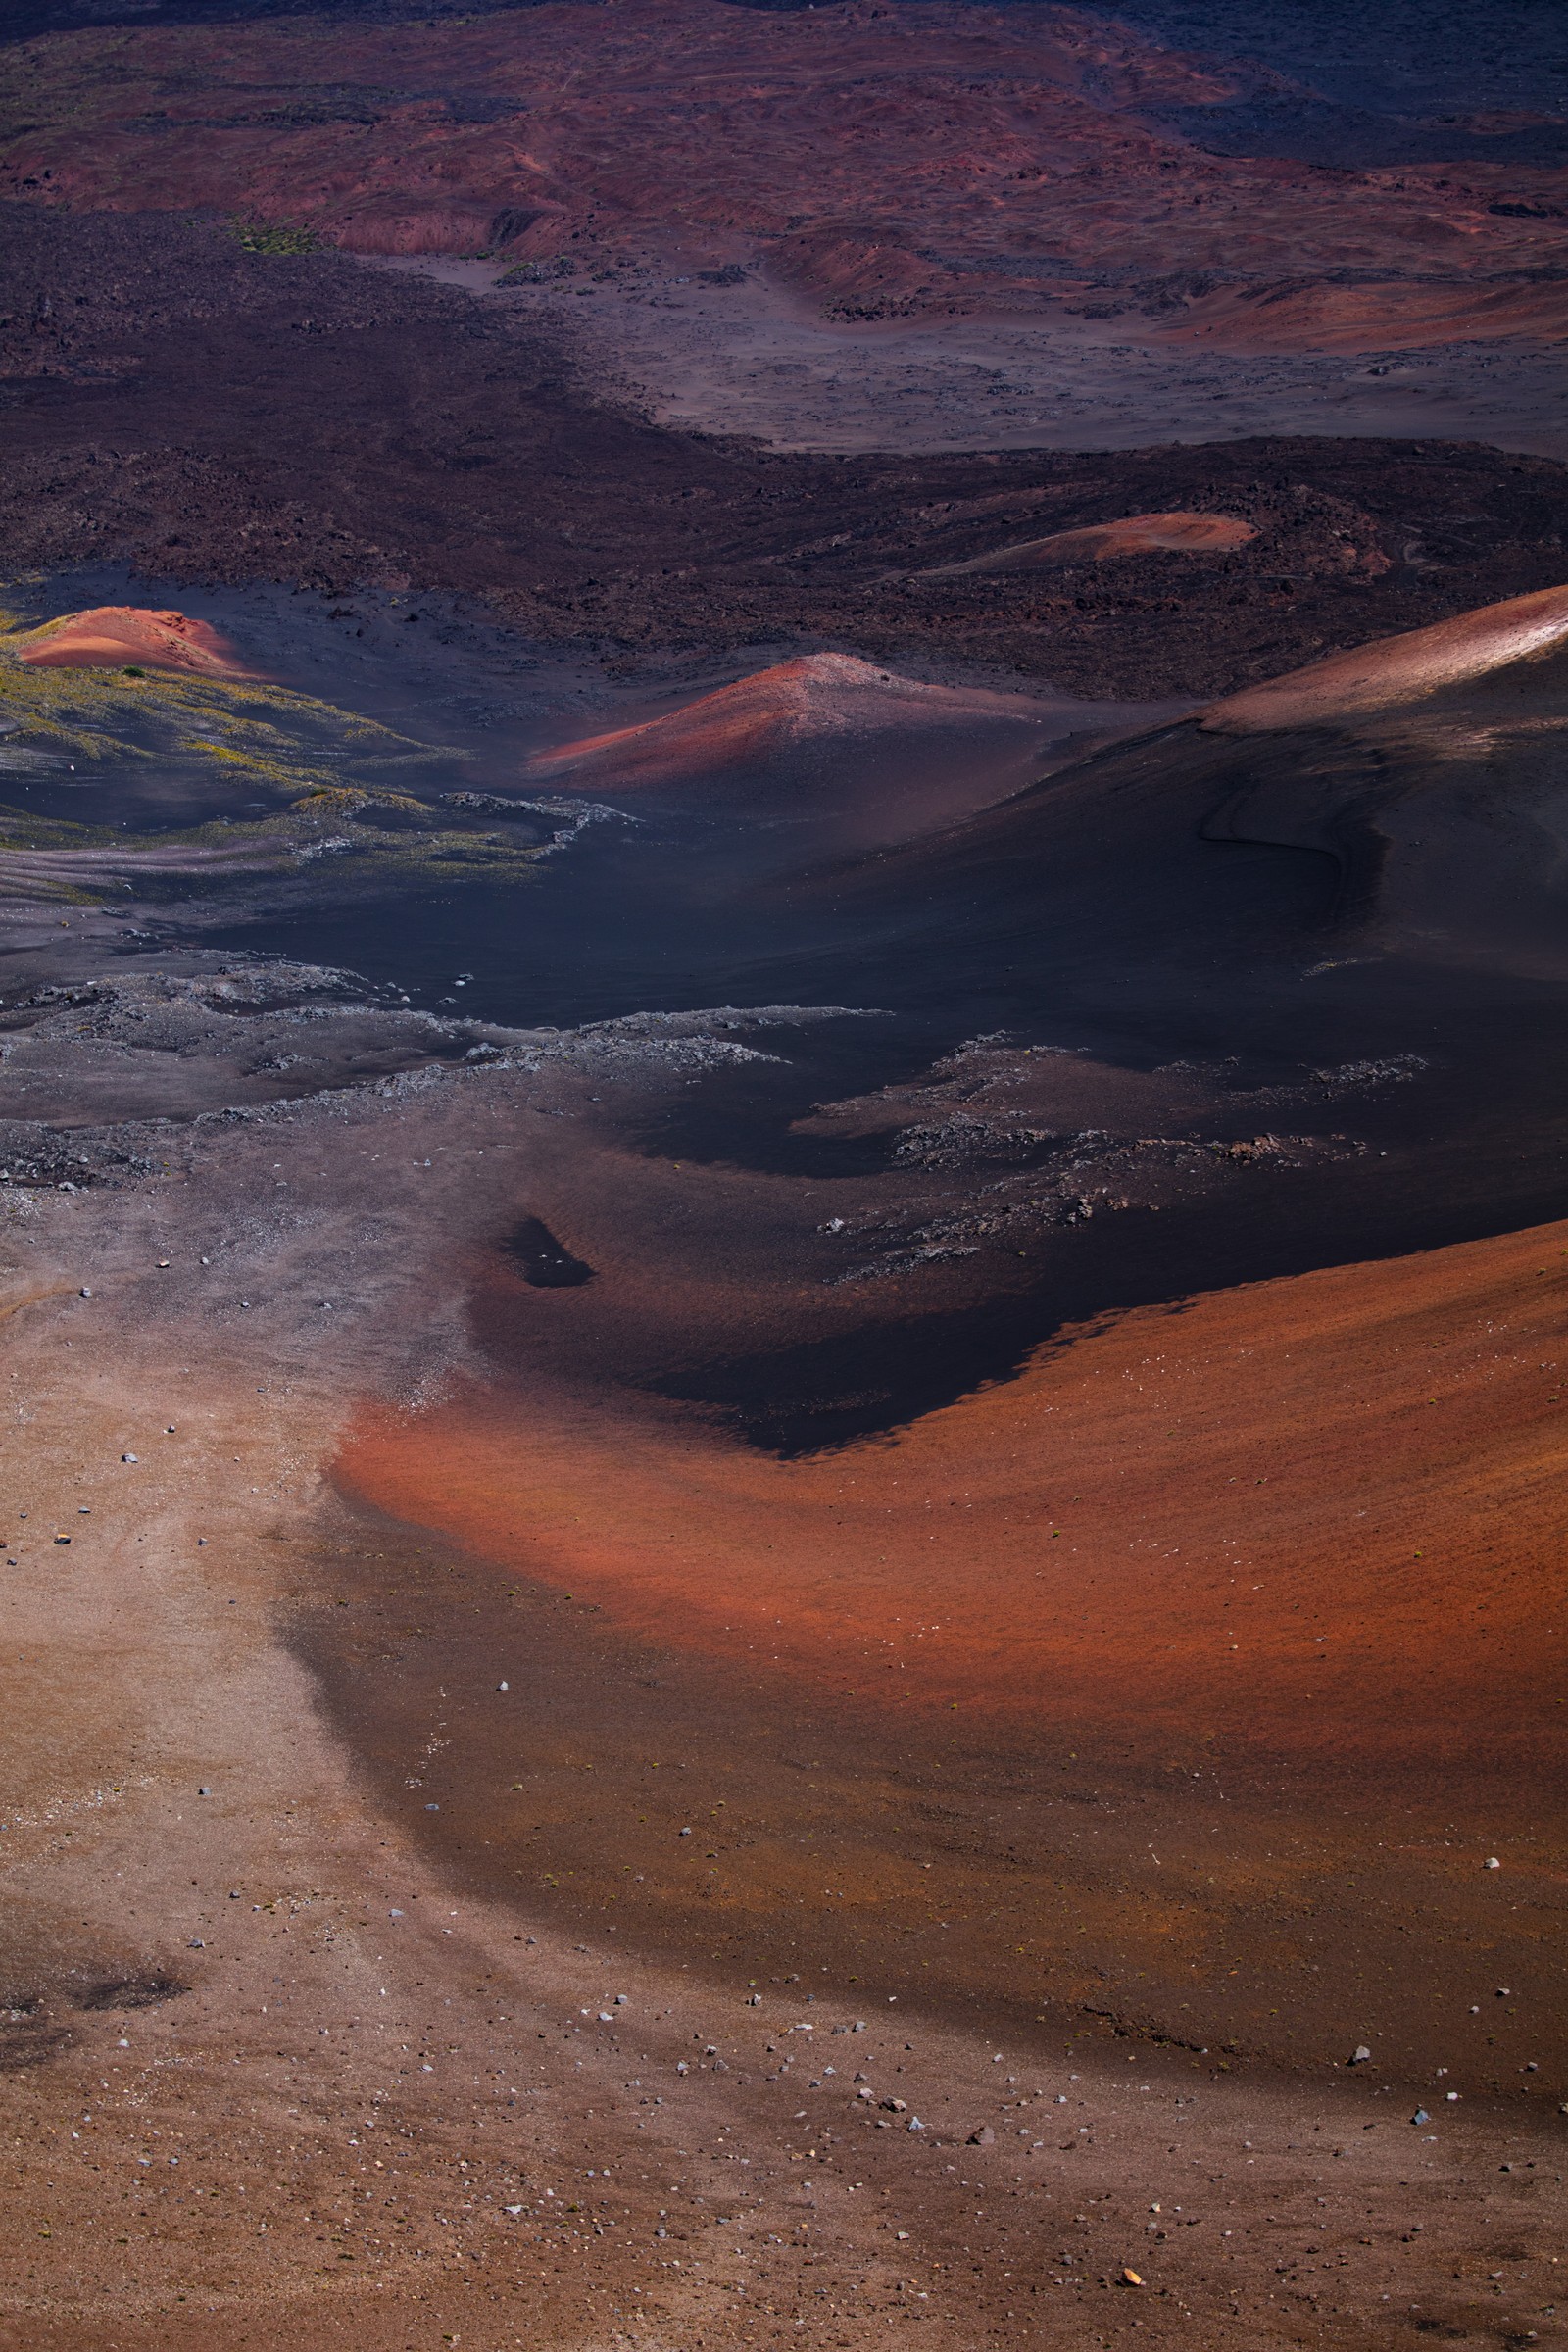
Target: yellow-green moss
x=263, y=735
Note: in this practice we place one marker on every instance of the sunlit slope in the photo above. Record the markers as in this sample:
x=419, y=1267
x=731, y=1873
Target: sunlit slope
x=871, y=755
x=1420, y=777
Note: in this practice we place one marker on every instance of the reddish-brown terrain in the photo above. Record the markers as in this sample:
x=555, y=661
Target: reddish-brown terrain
x=783, y=894
x=1106, y=541
x=491, y=1939
x=789, y=704
x=1126, y=1529
x=1294, y=1541
x=874, y=755
x=121, y=636
x=873, y=160
x=212, y=415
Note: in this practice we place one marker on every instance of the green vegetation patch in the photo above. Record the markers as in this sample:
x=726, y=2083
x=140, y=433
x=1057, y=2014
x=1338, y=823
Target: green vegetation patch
x=276, y=236
x=263, y=736
x=20, y=829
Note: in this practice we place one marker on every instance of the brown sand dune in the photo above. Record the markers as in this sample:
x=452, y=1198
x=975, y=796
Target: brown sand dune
x=125, y=636
x=1393, y=670
x=1103, y=542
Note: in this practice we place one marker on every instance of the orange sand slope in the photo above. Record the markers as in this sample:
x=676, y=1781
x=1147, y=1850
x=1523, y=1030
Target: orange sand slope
x=1401, y=669
x=737, y=722
x=874, y=757
x=792, y=703
x=125, y=636
x=1317, y=1513
x=1103, y=542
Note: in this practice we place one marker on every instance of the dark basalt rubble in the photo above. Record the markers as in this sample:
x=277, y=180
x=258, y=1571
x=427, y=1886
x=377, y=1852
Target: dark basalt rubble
x=162, y=412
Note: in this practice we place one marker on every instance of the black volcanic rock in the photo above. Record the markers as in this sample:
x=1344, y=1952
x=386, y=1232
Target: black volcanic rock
x=167, y=414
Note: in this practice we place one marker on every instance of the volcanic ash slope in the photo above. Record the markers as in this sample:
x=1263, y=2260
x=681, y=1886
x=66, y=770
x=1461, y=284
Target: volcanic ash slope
x=875, y=754
x=1423, y=767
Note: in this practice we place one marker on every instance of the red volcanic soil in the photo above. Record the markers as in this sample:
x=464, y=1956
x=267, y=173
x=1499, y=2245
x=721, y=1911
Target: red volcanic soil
x=121, y=636
x=814, y=693
x=244, y=1962
x=1315, y=1516
x=1103, y=542
x=875, y=758
x=1393, y=670
x=1293, y=1550
x=882, y=162
x=1384, y=315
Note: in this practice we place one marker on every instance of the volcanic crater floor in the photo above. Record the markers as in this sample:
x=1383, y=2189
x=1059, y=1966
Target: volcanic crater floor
x=780, y=1182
